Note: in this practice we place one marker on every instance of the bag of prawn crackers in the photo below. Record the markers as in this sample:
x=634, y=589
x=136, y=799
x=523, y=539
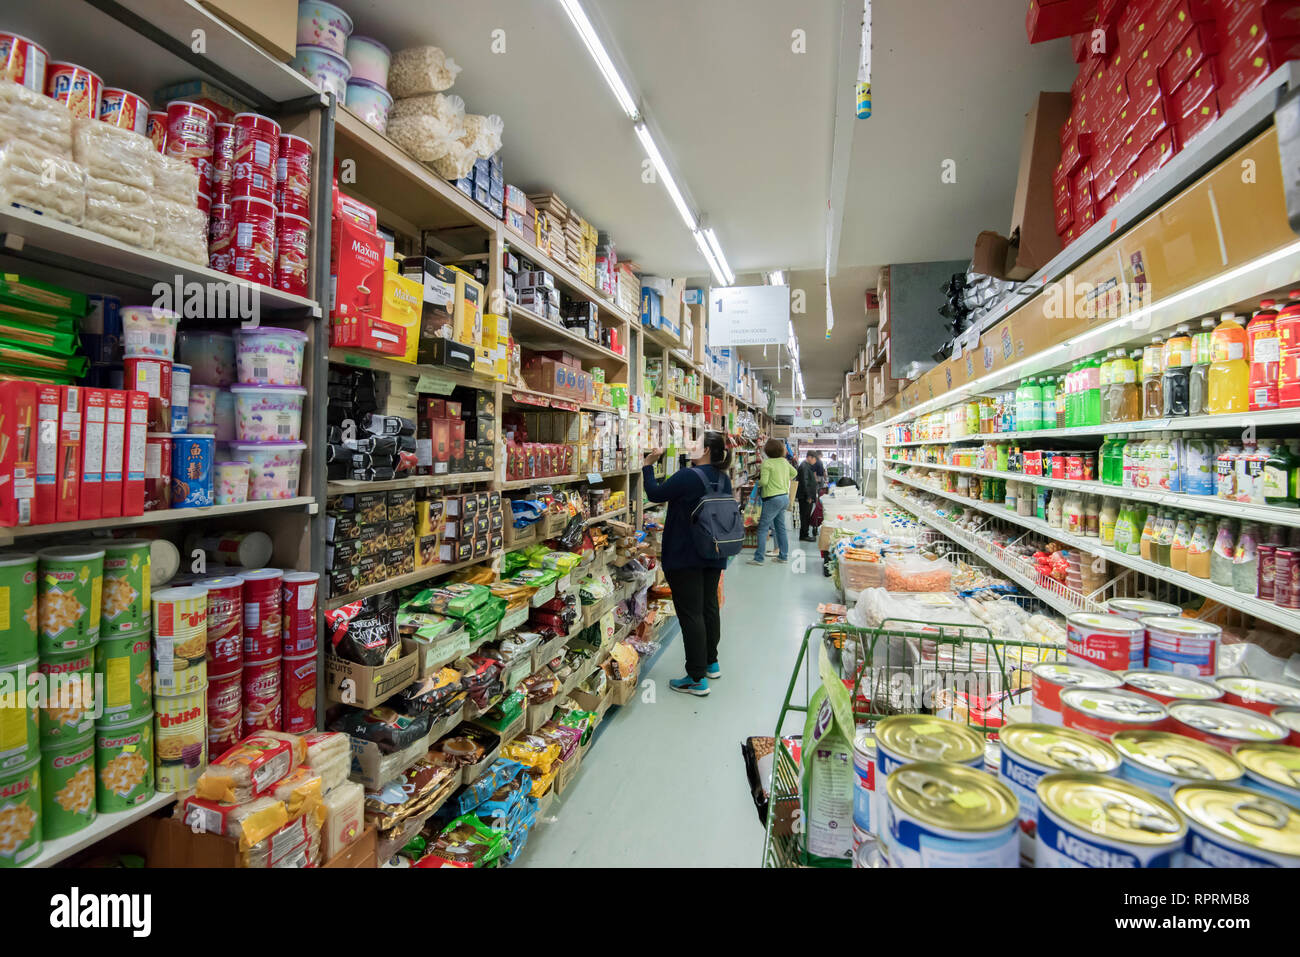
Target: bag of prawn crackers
x=827, y=787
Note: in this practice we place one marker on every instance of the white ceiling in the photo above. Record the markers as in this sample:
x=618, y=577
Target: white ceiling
x=747, y=125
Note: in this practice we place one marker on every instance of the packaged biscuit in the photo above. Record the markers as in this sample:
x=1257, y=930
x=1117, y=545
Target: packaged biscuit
x=252, y=767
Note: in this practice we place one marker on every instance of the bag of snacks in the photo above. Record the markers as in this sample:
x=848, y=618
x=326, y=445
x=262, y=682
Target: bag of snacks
x=252, y=767
x=420, y=70
x=465, y=842
x=914, y=572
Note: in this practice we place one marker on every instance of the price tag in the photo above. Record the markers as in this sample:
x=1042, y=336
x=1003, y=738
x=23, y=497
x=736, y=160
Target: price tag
x=435, y=384
x=594, y=478
x=988, y=358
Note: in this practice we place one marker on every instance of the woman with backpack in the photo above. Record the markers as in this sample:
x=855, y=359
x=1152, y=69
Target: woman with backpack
x=698, y=541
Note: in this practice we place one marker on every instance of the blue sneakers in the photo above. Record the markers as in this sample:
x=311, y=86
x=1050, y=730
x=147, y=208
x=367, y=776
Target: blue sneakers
x=689, y=685
x=715, y=671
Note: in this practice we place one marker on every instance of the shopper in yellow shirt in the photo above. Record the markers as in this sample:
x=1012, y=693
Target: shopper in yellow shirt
x=774, y=486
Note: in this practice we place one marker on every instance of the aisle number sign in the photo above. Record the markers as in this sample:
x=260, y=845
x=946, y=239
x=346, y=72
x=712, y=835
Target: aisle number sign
x=749, y=316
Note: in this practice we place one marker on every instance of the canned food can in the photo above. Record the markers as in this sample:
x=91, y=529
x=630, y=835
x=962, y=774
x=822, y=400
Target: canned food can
x=1289, y=718
x=298, y=693
x=156, y=129
x=1286, y=575
x=223, y=162
x=1052, y=677
x=19, y=610
x=225, y=712
x=263, y=630
x=1059, y=465
x=225, y=625
x=191, y=130
x=21, y=787
x=1257, y=694
x=124, y=109
x=192, y=457
x=949, y=815
x=1272, y=769
x=299, y=591
x=1236, y=827
x=1223, y=725
x=1090, y=466
x=1161, y=761
x=157, y=471
x=256, y=150
x=261, y=693
x=1183, y=646
x=1103, y=711
x=180, y=740
x=67, y=786
x=1074, y=466
x=70, y=597
x=124, y=765
x=1030, y=751
x=1167, y=688
x=23, y=62
x=1136, y=609
x=906, y=738
x=126, y=602
x=1091, y=820
x=1266, y=571
x=180, y=611
x=293, y=175
x=292, y=243
x=864, y=780
x=152, y=376
x=69, y=702
x=180, y=397
x=1107, y=641
x=75, y=87
x=20, y=734
x=252, y=245
x=124, y=670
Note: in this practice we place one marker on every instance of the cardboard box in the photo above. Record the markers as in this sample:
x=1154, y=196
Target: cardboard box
x=1033, y=215
x=115, y=436
x=18, y=450
x=271, y=24
x=467, y=319
x=855, y=383
x=68, y=462
x=90, y=496
x=137, y=431
x=359, y=853
x=1053, y=19
x=365, y=687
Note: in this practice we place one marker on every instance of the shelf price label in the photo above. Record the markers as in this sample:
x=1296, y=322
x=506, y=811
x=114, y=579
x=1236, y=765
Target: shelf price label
x=435, y=384
x=595, y=478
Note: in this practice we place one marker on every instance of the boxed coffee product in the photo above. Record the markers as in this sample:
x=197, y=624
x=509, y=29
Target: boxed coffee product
x=342, y=526
x=372, y=570
x=467, y=314
x=400, y=561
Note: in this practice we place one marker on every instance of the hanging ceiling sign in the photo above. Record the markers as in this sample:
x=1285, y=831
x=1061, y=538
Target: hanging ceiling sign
x=749, y=315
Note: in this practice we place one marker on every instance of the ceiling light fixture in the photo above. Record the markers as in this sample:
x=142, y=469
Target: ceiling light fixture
x=597, y=50
x=661, y=169
x=714, y=245
x=703, y=243
x=776, y=278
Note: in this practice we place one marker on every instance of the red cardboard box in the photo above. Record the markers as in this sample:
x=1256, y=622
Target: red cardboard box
x=114, y=453
x=1109, y=11
x=68, y=464
x=1142, y=82
x=1105, y=204
x=1053, y=19
x=1200, y=42
x=1281, y=18
x=1283, y=50
x=18, y=425
x=49, y=400
x=90, y=497
x=1246, y=23
x=1149, y=124
x=1240, y=71
x=1185, y=100
x=137, y=430
x=456, y=437
x=1136, y=28
x=1081, y=189
x=1189, y=127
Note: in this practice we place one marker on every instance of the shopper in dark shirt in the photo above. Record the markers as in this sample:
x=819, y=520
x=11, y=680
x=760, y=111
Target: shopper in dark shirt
x=693, y=579
x=806, y=495
x=818, y=467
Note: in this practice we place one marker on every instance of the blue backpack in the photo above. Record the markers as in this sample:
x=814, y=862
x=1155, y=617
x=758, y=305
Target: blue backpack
x=717, y=525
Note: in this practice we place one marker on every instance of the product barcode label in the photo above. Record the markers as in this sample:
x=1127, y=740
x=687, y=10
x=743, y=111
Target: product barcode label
x=157, y=338
x=262, y=153
x=284, y=428
x=260, y=372
x=244, y=234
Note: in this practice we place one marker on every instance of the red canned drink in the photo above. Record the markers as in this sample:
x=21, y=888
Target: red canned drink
x=1074, y=466
x=153, y=376
x=1089, y=466
x=225, y=625
x=156, y=129
x=225, y=711
x=257, y=147
x=298, y=610
x=298, y=694
x=293, y=176
x=262, y=617
x=261, y=687
x=75, y=87
x=1267, y=571
x=292, y=242
x=1284, y=569
x=1060, y=465
x=252, y=244
x=157, y=471
x=22, y=62
x=124, y=109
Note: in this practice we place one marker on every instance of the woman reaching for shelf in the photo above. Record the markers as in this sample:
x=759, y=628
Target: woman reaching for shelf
x=774, y=488
x=692, y=578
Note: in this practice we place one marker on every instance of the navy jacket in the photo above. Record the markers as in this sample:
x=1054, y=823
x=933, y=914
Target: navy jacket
x=682, y=491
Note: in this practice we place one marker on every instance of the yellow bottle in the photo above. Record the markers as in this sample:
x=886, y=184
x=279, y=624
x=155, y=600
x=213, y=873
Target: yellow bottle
x=1229, y=377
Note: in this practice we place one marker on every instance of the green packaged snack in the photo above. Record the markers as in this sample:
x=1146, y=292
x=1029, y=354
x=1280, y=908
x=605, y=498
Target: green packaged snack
x=468, y=842
x=827, y=786
x=456, y=599
x=24, y=292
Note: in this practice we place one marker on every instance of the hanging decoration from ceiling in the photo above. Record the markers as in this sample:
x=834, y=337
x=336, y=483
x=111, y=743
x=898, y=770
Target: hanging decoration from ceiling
x=864, y=64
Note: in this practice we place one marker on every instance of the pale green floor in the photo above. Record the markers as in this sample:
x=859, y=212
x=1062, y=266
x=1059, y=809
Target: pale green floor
x=664, y=784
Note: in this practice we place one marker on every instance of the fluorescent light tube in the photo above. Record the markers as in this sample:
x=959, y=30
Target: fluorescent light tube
x=661, y=170
x=712, y=237
x=597, y=50
x=703, y=243
x=778, y=278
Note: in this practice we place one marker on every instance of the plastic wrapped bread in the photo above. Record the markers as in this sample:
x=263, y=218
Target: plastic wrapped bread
x=182, y=231
x=297, y=844
x=249, y=823
x=449, y=108
x=252, y=767
x=300, y=791
x=41, y=181
x=131, y=223
x=427, y=138
x=483, y=133
x=33, y=118
x=330, y=754
x=175, y=179
x=421, y=70
x=111, y=152
x=345, y=809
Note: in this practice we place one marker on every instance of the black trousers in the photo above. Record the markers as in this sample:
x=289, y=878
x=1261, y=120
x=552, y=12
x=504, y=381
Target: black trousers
x=805, y=516
x=695, y=597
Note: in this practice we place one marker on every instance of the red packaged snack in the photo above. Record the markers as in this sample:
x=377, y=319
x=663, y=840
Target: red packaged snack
x=225, y=711
x=261, y=692
x=298, y=693
x=18, y=449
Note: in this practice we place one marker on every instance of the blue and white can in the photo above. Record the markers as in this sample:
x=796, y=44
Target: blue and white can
x=1237, y=827
x=1272, y=769
x=192, y=457
x=948, y=815
x=1091, y=820
x=864, y=780
x=180, y=397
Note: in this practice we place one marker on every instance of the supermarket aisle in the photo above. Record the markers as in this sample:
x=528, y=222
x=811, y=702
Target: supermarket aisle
x=664, y=784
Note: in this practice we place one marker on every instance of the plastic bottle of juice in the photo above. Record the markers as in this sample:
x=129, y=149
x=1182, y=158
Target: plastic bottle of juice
x=1104, y=457
x=1199, y=468
x=1182, y=537
x=1109, y=515
x=1092, y=391
x=1036, y=388
x=1153, y=386
x=1177, y=462
x=1178, y=367
x=1071, y=400
x=1229, y=378
x=1128, y=531
x=1199, y=548
x=1288, y=334
x=1020, y=406
x=1198, y=378
x=1225, y=548
x=1165, y=537
x=1103, y=383
x=1277, y=476
x=1265, y=356
x=1129, y=466
x=1150, y=532
x=1131, y=398
x=1225, y=472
